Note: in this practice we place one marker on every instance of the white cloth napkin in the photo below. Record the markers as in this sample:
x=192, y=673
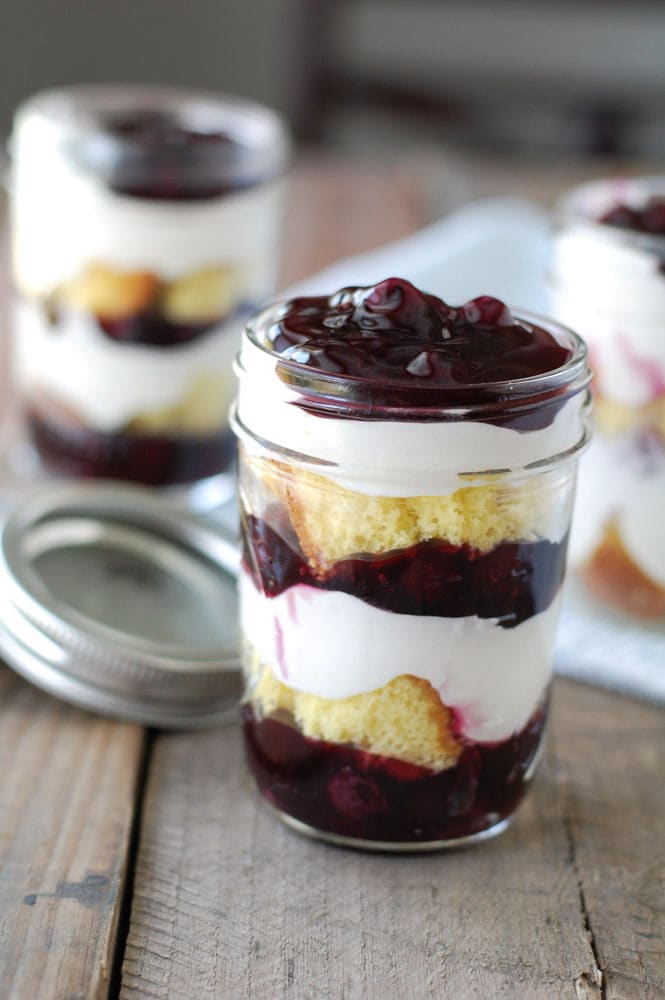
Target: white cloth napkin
x=502, y=247
x=492, y=247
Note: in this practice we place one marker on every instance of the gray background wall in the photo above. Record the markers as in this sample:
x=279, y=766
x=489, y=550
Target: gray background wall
x=249, y=47
x=537, y=74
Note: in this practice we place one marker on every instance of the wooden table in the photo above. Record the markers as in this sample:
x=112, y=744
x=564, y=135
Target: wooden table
x=142, y=864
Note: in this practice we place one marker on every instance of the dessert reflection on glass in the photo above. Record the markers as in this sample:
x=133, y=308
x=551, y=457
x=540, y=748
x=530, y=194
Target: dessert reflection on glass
x=406, y=479
x=609, y=278
x=144, y=233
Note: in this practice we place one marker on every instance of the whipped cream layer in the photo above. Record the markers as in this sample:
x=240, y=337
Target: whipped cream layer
x=109, y=382
x=432, y=457
x=622, y=481
x=614, y=294
x=334, y=645
x=586, y=252
x=63, y=221
x=607, y=283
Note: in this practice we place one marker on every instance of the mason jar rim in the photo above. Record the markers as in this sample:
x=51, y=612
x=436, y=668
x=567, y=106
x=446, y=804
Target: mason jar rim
x=333, y=393
x=260, y=143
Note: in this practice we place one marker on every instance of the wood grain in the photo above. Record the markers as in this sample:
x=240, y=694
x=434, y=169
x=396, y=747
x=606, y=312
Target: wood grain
x=67, y=797
x=611, y=755
x=228, y=903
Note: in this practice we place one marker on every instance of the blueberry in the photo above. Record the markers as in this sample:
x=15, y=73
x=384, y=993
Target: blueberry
x=355, y=795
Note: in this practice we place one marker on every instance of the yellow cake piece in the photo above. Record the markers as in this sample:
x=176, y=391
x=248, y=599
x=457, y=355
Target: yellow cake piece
x=405, y=719
x=613, y=576
x=614, y=418
x=202, y=411
x=108, y=292
x=334, y=523
x=202, y=296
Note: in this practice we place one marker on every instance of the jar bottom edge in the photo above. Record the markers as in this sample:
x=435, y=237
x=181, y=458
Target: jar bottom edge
x=387, y=846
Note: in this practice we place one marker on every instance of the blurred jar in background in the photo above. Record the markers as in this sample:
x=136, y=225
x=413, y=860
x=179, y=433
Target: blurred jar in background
x=145, y=229
x=609, y=281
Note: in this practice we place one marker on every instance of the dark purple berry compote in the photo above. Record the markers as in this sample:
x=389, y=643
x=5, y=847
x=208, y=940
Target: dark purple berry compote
x=157, y=156
x=367, y=797
x=394, y=345
x=646, y=218
x=178, y=146
x=509, y=583
x=152, y=459
x=370, y=333
x=398, y=596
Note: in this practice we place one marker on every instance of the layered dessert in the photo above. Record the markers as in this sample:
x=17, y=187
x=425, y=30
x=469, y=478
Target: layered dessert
x=144, y=234
x=609, y=277
x=406, y=482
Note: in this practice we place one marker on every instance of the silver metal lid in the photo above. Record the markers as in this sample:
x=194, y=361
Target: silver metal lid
x=119, y=603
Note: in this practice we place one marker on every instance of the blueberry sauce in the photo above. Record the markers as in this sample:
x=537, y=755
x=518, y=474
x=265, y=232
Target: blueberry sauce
x=150, y=327
x=511, y=582
x=347, y=791
x=154, y=155
x=403, y=342
x=152, y=459
x=153, y=329
x=648, y=218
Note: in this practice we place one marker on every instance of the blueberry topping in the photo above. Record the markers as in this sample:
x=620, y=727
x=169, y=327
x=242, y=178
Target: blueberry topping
x=392, y=333
x=649, y=218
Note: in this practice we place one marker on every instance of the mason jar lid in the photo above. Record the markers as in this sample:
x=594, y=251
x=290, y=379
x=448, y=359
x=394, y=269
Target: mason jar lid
x=118, y=603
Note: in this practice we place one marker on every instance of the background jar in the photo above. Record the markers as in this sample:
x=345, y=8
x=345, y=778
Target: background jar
x=610, y=282
x=398, y=604
x=145, y=228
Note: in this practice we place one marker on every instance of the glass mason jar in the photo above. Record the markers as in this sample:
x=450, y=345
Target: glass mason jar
x=608, y=278
x=400, y=588
x=145, y=228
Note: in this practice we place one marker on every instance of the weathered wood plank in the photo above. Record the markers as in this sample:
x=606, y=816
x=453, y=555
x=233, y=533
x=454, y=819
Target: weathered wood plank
x=228, y=903
x=67, y=797
x=611, y=752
